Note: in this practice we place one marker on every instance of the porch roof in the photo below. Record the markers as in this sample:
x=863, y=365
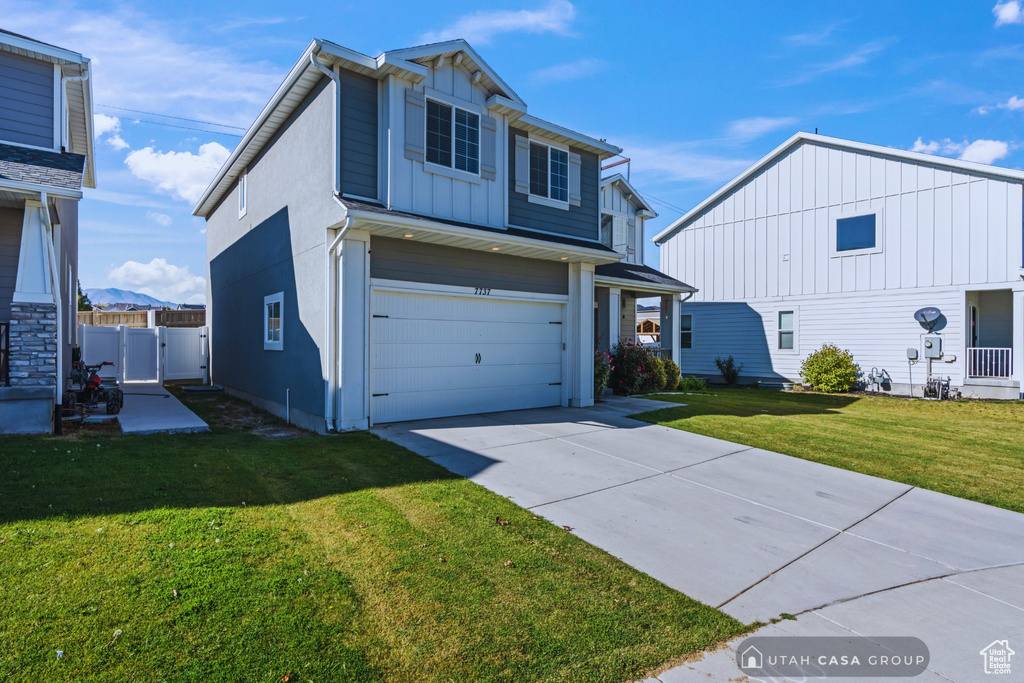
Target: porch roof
x=640, y=277
x=24, y=165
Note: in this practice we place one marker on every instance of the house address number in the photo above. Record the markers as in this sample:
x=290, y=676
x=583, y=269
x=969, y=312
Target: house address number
x=483, y=291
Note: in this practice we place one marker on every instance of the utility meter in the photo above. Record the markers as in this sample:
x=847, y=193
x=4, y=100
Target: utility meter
x=933, y=346
x=911, y=353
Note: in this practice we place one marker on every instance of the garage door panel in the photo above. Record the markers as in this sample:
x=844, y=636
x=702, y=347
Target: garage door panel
x=450, y=355
x=438, y=354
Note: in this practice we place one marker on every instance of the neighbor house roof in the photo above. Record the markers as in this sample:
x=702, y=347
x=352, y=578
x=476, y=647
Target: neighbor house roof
x=21, y=166
x=642, y=277
x=837, y=143
x=78, y=93
x=411, y=64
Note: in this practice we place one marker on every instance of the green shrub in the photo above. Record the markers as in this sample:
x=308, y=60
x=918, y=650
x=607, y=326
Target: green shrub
x=692, y=384
x=671, y=374
x=655, y=380
x=730, y=371
x=602, y=371
x=830, y=369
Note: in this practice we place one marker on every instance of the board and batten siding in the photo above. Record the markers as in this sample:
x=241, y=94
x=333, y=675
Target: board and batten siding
x=877, y=327
x=423, y=188
x=395, y=259
x=577, y=221
x=359, y=138
x=770, y=236
x=26, y=101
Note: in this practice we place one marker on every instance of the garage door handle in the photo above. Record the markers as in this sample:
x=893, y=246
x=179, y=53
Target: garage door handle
x=376, y=395
x=379, y=316
x=479, y=358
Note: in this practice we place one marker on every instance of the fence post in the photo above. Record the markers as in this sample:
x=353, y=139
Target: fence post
x=204, y=341
x=122, y=338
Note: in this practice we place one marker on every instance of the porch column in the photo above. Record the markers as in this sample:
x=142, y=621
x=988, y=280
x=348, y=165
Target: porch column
x=33, y=284
x=1018, y=339
x=33, y=332
x=614, y=316
x=580, y=335
x=671, y=310
x=353, y=331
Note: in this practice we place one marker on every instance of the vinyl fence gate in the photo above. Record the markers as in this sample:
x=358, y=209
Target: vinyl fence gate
x=151, y=354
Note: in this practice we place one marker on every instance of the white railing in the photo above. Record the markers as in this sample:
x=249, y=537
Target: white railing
x=989, y=363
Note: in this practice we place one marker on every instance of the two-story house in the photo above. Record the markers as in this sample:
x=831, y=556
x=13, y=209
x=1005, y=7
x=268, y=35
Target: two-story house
x=832, y=241
x=46, y=157
x=396, y=238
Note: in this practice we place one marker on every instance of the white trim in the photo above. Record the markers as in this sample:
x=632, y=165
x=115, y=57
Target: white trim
x=59, y=124
x=637, y=286
x=40, y=48
x=27, y=146
x=454, y=103
x=800, y=138
x=549, y=200
x=243, y=192
x=470, y=292
x=631, y=195
x=533, y=124
x=692, y=345
x=833, y=233
x=277, y=345
x=35, y=189
x=795, y=310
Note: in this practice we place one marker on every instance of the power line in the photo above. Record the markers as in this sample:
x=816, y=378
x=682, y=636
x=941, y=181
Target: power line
x=168, y=116
x=648, y=195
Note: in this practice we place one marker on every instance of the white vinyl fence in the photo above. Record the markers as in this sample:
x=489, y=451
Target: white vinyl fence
x=151, y=354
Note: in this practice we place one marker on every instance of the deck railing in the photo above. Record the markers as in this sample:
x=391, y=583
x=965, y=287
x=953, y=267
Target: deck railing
x=5, y=354
x=989, y=363
x=660, y=352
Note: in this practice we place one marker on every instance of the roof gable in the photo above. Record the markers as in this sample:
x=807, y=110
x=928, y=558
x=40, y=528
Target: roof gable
x=460, y=52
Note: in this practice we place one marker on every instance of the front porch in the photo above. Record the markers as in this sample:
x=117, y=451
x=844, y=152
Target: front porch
x=994, y=343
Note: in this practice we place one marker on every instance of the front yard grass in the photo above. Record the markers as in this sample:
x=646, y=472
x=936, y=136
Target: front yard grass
x=969, y=449
x=229, y=557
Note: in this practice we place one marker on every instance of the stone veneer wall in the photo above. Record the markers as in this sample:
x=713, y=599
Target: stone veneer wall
x=33, y=345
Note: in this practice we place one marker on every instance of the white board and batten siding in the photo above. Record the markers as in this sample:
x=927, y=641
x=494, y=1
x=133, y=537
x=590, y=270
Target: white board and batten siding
x=627, y=230
x=435, y=353
x=767, y=245
x=444, y=193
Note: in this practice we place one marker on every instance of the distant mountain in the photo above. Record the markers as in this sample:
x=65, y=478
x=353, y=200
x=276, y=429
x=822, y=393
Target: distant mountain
x=112, y=295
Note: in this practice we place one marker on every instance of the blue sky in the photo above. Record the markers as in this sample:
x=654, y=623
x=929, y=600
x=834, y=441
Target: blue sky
x=693, y=92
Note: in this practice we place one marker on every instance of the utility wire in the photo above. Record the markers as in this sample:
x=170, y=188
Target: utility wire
x=168, y=116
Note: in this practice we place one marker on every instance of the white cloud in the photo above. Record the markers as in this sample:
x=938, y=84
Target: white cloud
x=111, y=127
x=481, y=27
x=159, y=218
x=980, y=151
x=143, y=63
x=1013, y=104
x=753, y=128
x=1008, y=13
x=181, y=174
x=571, y=71
x=858, y=57
x=161, y=279
x=678, y=162
x=819, y=37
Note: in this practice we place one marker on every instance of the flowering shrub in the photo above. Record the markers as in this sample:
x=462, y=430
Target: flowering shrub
x=672, y=374
x=633, y=370
x=602, y=371
x=830, y=369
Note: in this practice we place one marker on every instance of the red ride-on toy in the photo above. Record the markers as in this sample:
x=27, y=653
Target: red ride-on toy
x=88, y=391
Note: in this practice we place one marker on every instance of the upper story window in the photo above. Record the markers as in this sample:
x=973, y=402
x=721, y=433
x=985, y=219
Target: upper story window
x=855, y=234
x=549, y=172
x=453, y=135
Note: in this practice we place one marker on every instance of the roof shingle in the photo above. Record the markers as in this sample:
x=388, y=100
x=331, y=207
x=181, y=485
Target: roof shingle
x=41, y=167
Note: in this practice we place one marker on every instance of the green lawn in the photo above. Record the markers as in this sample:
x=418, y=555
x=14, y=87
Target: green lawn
x=229, y=557
x=973, y=450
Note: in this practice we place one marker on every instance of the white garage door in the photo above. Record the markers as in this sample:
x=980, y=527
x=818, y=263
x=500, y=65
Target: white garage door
x=434, y=355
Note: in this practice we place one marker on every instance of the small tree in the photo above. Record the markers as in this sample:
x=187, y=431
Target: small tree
x=830, y=369
x=83, y=300
x=672, y=375
x=730, y=371
x=655, y=380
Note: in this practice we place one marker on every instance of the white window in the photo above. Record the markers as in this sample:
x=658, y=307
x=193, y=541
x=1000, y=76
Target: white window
x=856, y=233
x=273, y=322
x=686, y=332
x=549, y=172
x=243, y=190
x=453, y=137
x=787, y=330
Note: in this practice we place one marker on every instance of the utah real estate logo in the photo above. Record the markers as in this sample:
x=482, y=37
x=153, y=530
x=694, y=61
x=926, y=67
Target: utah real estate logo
x=997, y=657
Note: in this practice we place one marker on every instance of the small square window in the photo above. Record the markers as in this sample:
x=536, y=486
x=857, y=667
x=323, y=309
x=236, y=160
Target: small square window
x=787, y=330
x=273, y=318
x=243, y=192
x=855, y=232
x=686, y=332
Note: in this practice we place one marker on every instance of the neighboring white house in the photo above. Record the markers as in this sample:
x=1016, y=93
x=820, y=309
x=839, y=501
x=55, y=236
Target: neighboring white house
x=827, y=240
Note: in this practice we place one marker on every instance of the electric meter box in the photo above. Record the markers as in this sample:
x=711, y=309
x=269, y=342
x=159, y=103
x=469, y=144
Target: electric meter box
x=933, y=346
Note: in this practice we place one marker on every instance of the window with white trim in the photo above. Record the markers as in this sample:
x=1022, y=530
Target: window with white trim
x=453, y=137
x=686, y=332
x=856, y=233
x=549, y=172
x=787, y=330
x=273, y=322
x=243, y=191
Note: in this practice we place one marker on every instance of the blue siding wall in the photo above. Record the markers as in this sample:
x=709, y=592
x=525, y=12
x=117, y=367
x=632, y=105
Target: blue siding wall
x=26, y=101
x=359, y=122
x=579, y=221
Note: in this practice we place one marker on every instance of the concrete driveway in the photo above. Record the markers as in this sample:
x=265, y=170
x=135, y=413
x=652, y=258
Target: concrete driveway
x=754, y=533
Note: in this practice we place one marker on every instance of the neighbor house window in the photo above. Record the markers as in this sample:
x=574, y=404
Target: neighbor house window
x=453, y=137
x=686, y=332
x=273, y=329
x=857, y=233
x=549, y=172
x=243, y=191
x=787, y=330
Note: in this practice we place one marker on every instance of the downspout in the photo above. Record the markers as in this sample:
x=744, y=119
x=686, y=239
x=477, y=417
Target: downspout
x=55, y=287
x=64, y=93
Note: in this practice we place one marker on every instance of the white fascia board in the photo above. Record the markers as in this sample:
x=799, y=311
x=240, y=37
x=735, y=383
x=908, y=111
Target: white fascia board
x=630, y=190
x=534, y=125
x=638, y=286
x=90, y=147
x=35, y=189
x=452, y=46
x=44, y=51
x=479, y=239
x=837, y=143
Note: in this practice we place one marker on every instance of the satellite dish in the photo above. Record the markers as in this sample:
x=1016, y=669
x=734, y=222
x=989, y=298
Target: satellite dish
x=928, y=316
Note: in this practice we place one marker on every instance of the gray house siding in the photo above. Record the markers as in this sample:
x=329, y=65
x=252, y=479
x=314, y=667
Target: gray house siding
x=393, y=259
x=10, y=245
x=579, y=221
x=359, y=119
x=26, y=101
x=279, y=245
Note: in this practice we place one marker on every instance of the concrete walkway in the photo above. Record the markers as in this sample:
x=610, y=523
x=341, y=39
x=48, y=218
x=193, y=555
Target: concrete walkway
x=754, y=533
x=151, y=409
